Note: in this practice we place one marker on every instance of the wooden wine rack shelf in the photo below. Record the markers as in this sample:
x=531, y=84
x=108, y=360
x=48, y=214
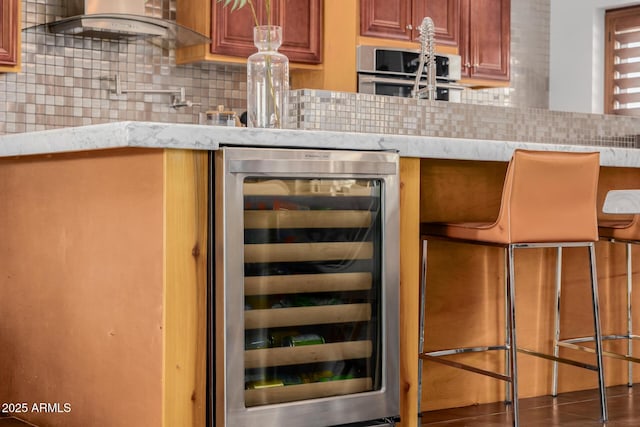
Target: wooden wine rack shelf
x=291, y=393
x=306, y=219
x=302, y=316
x=283, y=356
x=301, y=283
x=301, y=252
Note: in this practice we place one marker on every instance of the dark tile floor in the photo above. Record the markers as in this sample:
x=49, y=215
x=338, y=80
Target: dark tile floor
x=577, y=409
x=13, y=422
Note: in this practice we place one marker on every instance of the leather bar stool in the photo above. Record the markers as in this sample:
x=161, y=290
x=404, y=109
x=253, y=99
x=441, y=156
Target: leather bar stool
x=625, y=230
x=548, y=201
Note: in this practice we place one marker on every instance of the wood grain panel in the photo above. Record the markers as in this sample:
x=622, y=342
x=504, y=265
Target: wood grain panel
x=409, y=289
x=185, y=287
x=460, y=190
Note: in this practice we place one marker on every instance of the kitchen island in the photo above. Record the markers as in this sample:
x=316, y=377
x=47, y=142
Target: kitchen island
x=104, y=260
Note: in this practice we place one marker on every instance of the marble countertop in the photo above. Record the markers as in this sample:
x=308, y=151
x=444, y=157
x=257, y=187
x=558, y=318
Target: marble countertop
x=197, y=137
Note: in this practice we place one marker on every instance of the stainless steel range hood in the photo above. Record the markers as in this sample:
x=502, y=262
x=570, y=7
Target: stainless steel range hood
x=122, y=19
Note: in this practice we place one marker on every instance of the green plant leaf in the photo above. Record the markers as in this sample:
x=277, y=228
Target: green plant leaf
x=237, y=4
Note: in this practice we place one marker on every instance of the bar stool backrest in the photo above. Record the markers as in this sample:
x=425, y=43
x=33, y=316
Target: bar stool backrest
x=550, y=196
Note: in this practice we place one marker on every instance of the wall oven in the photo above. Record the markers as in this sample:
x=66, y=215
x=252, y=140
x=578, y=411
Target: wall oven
x=306, y=288
x=391, y=71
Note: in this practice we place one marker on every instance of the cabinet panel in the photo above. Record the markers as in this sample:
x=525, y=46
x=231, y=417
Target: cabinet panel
x=480, y=29
x=9, y=33
x=446, y=18
x=486, y=40
x=401, y=19
x=232, y=30
x=385, y=18
x=301, y=21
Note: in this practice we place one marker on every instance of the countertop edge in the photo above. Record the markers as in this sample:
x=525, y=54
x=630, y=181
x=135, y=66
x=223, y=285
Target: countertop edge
x=211, y=138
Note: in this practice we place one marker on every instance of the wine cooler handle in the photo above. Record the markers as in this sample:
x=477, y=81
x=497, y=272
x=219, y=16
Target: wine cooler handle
x=313, y=167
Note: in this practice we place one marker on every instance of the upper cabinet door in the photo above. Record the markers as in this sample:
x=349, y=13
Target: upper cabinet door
x=232, y=30
x=389, y=19
x=301, y=21
x=401, y=19
x=486, y=39
x=9, y=35
x=446, y=19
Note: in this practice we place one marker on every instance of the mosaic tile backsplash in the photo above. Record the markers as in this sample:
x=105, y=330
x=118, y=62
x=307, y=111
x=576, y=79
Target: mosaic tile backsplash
x=67, y=81
x=349, y=112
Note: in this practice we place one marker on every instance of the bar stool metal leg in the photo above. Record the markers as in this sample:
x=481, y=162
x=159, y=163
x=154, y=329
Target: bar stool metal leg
x=598, y=333
x=507, y=330
x=556, y=337
x=597, y=337
x=512, y=366
x=629, y=317
x=423, y=288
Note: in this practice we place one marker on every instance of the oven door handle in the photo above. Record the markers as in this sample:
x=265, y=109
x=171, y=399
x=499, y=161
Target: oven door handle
x=300, y=166
x=391, y=80
x=403, y=82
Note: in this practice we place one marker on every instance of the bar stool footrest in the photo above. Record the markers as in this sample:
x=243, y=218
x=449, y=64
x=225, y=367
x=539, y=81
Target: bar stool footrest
x=462, y=350
x=571, y=345
x=436, y=356
x=560, y=359
x=604, y=338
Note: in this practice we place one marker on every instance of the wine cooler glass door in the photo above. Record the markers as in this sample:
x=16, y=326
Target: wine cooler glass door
x=311, y=280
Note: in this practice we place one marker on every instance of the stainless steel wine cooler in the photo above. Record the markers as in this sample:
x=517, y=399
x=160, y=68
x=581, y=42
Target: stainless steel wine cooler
x=306, y=287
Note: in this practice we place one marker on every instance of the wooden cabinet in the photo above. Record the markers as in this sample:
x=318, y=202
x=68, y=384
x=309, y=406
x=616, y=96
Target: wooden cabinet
x=478, y=29
x=446, y=18
x=301, y=22
x=486, y=39
x=231, y=31
x=401, y=19
x=9, y=35
x=386, y=18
